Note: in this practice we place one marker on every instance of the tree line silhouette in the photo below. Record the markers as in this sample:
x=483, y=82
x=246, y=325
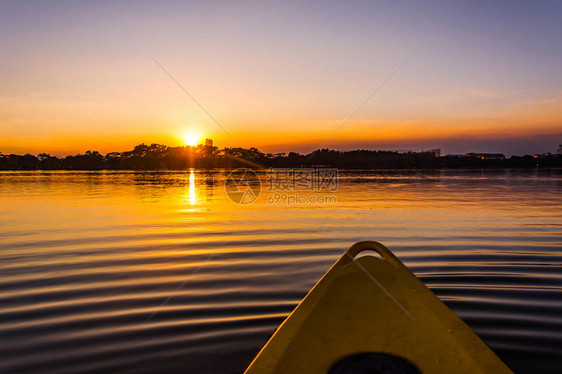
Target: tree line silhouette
x=161, y=157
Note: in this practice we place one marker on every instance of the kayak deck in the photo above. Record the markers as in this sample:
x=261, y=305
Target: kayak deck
x=371, y=312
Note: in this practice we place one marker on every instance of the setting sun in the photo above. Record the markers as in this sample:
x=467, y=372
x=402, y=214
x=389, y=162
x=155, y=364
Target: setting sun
x=191, y=139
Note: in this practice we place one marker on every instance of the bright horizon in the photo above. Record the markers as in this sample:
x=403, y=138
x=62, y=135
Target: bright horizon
x=482, y=77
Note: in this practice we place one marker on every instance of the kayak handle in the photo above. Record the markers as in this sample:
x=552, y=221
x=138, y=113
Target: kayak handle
x=377, y=247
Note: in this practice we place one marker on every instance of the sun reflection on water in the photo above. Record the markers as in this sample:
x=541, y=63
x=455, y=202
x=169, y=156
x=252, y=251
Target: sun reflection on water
x=192, y=196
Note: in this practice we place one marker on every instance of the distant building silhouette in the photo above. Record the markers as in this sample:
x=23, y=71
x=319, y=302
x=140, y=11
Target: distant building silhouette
x=486, y=156
x=559, y=151
x=209, y=142
x=436, y=152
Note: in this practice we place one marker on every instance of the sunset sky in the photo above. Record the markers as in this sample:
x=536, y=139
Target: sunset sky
x=281, y=76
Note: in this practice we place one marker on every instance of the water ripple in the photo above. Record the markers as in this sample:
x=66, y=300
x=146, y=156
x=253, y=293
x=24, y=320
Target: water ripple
x=87, y=258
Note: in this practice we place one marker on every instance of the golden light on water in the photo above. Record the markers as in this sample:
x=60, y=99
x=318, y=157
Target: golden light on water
x=156, y=229
x=192, y=195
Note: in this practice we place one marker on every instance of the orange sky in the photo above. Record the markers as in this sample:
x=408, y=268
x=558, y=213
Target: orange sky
x=71, y=127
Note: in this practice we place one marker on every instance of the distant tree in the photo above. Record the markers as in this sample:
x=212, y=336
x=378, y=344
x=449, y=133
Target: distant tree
x=158, y=157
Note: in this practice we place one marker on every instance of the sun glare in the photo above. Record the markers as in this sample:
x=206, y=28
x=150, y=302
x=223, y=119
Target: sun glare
x=191, y=139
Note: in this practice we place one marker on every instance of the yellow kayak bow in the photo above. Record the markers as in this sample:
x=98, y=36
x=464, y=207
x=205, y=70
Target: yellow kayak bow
x=370, y=314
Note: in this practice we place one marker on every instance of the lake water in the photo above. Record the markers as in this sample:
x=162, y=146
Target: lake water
x=161, y=272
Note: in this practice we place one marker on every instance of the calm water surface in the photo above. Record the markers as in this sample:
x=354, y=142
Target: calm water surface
x=160, y=272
